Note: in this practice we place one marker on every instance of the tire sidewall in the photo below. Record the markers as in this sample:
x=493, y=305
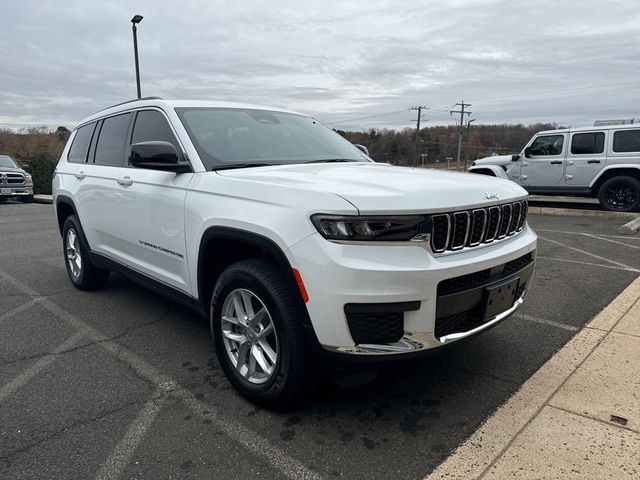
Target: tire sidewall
x=229, y=281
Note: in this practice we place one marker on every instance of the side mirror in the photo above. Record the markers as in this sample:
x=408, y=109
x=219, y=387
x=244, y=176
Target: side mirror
x=157, y=156
x=26, y=168
x=527, y=152
x=363, y=149
x=515, y=158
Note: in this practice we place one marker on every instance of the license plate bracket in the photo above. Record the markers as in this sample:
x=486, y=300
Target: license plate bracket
x=499, y=298
x=5, y=191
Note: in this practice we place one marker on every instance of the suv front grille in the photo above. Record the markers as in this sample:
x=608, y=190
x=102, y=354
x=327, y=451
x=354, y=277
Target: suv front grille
x=470, y=228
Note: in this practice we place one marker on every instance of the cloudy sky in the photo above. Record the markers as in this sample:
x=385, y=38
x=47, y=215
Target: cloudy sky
x=353, y=64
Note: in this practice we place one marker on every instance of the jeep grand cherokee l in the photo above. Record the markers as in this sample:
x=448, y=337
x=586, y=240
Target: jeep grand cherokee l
x=292, y=241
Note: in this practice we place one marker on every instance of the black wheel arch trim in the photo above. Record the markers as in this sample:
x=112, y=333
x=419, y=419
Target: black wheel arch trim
x=64, y=199
x=255, y=240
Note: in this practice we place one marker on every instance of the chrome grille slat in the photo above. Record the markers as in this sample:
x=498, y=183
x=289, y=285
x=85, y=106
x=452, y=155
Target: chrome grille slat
x=455, y=231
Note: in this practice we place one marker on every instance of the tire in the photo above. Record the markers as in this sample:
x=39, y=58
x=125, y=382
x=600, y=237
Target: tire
x=27, y=199
x=82, y=273
x=288, y=364
x=620, y=194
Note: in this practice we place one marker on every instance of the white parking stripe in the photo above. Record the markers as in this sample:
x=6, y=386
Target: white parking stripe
x=625, y=237
x=543, y=321
x=250, y=439
x=122, y=453
x=20, y=308
x=37, y=367
x=590, y=264
x=598, y=237
x=584, y=252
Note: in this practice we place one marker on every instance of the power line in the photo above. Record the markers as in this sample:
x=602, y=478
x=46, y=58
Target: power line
x=385, y=114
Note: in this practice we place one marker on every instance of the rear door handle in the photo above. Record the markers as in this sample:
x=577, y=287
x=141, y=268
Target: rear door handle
x=124, y=181
x=79, y=175
x=556, y=162
x=593, y=161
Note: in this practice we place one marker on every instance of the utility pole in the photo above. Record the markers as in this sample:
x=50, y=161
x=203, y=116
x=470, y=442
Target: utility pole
x=417, y=139
x=462, y=106
x=466, y=146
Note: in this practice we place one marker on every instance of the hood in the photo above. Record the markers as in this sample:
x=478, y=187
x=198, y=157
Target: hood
x=12, y=169
x=375, y=188
x=495, y=160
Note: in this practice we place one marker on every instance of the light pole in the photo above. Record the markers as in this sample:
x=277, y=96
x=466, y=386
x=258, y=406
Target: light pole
x=134, y=21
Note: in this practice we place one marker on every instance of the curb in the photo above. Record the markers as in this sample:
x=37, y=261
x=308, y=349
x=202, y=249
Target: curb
x=568, y=212
x=492, y=439
x=630, y=228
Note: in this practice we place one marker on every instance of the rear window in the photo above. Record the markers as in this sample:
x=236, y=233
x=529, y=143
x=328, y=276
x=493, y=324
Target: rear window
x=587, y=143
x=626, y=141
x=112, y=140
x=80, y=145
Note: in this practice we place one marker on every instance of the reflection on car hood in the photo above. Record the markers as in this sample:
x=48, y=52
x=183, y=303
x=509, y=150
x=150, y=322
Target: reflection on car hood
x=375, y=188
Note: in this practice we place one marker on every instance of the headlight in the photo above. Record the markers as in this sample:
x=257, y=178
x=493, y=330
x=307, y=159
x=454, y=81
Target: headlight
x=27, y=178
x=374, y=228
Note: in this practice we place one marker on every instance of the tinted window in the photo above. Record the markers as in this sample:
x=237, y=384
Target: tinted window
x=225, y=136
x=586, y=143
x=152, y=126
x=547, y=145
x=112, y=140
x=80, y=145
x=626, y=141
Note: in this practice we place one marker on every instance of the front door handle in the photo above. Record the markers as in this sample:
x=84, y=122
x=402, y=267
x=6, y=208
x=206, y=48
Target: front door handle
x=556, y=162
x=124, y=181
x=593, y=161
x=79, y=175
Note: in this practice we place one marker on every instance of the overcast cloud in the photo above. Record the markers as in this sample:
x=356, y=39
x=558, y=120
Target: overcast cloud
x=349, y=63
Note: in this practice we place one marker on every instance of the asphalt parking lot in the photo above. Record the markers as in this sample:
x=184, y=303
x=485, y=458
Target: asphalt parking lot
x=122, y=383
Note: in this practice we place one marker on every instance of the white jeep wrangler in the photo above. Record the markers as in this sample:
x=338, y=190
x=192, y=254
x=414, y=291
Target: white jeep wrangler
x=290, y=240
x=601, y=162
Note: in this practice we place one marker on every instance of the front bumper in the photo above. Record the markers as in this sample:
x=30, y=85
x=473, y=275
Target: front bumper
x=337, y=275
x=21, y=191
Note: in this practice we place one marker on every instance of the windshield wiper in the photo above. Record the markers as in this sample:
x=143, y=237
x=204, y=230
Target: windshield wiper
x=333, y=160
x=241, y=165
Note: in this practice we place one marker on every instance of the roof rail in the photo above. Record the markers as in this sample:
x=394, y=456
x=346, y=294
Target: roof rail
x=130, y=101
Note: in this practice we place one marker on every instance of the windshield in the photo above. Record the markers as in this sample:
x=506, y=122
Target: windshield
x=243, y=137
x=7, y=162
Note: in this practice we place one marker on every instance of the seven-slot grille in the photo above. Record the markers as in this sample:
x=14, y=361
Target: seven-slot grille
x=11, y=178
x=470, y=228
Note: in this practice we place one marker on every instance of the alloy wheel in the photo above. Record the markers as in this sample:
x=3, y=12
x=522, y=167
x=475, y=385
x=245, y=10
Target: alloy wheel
x=249, y=336
x=74, y=257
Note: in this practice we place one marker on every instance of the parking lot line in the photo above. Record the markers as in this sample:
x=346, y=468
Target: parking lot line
x=19, y=308
x=598, y=237
x=122, y=453
x=565, y=232
x=584, y=252
x=590, y=264
x=543, y=321
x=40, y=365
x=243, y=435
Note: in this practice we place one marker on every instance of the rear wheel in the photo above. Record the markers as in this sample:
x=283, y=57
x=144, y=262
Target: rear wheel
x=258, y=335
x=82, y=273
x=621, y=194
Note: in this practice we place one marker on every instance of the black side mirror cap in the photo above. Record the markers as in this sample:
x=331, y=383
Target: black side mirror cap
x=515, y=158
x=527, y=152
x=158, y=156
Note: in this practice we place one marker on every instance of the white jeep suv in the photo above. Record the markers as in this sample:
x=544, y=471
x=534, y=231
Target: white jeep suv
x=292, y=241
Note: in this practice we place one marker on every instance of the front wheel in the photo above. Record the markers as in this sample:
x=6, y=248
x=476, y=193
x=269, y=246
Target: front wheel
x=621, y=194
x=258, y=336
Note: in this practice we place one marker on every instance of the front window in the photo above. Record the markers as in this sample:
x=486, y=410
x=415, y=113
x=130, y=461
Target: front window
x=7, y=162
x=547, y=145
x=229, y=137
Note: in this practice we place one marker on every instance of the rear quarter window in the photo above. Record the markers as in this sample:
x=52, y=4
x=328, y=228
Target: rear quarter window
x=80, y=146
x=626, y=141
